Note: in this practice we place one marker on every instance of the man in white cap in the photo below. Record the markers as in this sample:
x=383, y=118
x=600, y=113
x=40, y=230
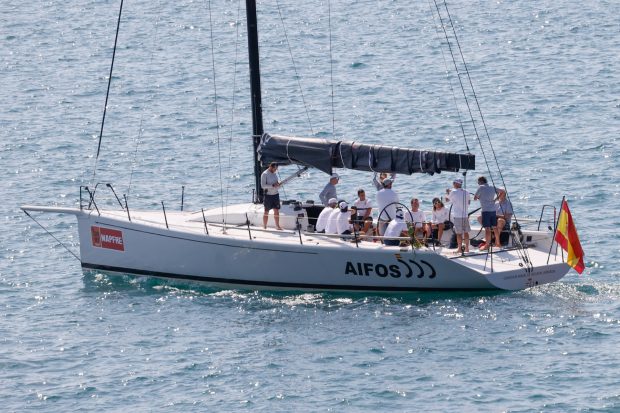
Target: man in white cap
x=331, y=227
x=460, y=202
x=343, y=219
x=323, y=218
x=387, y=200
x=330, y=189
x=396, y=228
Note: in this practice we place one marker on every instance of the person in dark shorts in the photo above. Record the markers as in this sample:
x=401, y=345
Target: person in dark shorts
x=271, y=200
x=486, y=195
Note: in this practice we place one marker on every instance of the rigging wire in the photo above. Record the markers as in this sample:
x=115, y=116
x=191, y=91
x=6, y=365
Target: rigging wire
x=331, y=65
x=105, y=107
x=458, y=75
x=52, y=235
x=232, y=109
x=488, y=136
x=521, y=250
x=445, y=64
x=140, y=129
x=295, y=68
x=217, y=121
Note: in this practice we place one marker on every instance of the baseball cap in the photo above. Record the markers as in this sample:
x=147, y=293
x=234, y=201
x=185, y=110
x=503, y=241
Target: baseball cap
x=399, y=213
x=335, y=176
x=458, y=181
x=332, y=201
x=343, y=205
x=387, y=181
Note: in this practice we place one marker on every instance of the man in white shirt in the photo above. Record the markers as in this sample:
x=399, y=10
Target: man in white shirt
x=460, y=202
x=331, y=227
x=321, y=221
x=363, y=218
x=396, y=228
x=418, y=219
x=387, y=200
x=343, y=225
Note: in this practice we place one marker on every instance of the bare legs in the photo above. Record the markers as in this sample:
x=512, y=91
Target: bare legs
x=439, y=231
x=459, y=241
x=276, y=218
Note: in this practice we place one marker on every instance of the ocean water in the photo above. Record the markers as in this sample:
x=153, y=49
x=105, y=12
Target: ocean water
x=546, y=76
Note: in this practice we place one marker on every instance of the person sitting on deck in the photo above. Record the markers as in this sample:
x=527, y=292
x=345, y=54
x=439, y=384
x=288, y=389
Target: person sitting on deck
x=332, y=221
x=363, y=218
x=417, y=218
x=396, y=228
x=503, y=210
x=440, y=216
x=343, y=218
x=330, y=189
x=323, y=218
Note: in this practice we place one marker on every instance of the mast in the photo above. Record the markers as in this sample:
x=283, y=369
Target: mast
x=257, y=110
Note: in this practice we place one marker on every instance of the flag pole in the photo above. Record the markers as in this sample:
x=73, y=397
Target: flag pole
x=555, y=231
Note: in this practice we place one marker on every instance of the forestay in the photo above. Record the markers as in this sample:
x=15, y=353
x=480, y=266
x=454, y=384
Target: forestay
x=324, y=154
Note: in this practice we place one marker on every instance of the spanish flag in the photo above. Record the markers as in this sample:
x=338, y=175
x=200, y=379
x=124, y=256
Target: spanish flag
x=566, y=236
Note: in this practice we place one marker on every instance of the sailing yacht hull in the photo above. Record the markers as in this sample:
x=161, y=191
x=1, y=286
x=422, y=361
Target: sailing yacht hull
x=245, y=257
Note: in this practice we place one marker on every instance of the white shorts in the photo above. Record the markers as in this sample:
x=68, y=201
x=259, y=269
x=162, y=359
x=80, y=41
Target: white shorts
x=461, y=225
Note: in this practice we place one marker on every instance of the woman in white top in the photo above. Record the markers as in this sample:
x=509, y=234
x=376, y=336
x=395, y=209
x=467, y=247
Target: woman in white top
x=418, y=219
x=440, y=216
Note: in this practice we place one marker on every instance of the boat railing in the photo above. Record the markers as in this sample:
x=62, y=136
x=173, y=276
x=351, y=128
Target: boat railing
x=542, y=211
x=91, y=198
x=354, y=237
x=92, y=194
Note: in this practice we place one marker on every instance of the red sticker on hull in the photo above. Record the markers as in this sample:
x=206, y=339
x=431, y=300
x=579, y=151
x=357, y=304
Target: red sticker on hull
x=107, y=238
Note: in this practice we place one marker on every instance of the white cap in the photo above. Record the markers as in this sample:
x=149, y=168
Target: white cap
x=335, y=175
x=343, y=205
x=458, y=181
x=387, y=181
x=332, y=201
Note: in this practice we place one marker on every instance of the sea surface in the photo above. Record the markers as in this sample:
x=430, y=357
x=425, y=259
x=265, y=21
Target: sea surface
x=547, y=79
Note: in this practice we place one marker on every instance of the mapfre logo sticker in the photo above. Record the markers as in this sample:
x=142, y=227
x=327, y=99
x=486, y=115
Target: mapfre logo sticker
x=111, y=239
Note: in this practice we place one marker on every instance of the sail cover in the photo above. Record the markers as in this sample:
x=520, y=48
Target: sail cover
x=324, y=154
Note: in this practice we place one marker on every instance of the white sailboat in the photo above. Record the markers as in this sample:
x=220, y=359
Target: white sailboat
x=231, y=249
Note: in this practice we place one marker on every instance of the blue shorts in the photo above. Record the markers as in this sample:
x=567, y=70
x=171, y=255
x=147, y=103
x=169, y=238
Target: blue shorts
x=271, y=202
x=489, y=219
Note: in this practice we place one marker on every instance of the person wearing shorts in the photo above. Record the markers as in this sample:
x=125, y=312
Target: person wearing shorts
x=271, y=199
x=460, y=202
x=486, y=195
